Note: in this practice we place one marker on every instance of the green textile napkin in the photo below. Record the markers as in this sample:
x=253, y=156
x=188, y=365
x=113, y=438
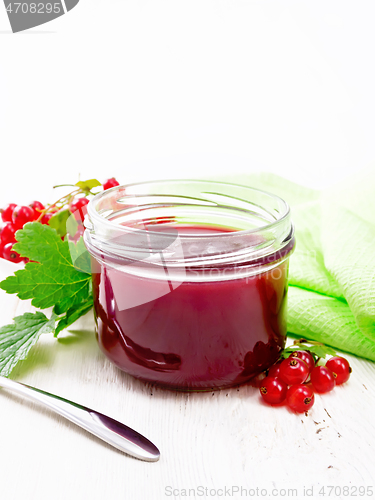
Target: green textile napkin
x=331, y=296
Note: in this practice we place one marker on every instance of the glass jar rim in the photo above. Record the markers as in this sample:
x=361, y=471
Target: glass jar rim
x=94, y=215
x=264, y=244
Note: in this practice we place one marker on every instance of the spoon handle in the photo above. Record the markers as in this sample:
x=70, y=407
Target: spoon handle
x=106, y=428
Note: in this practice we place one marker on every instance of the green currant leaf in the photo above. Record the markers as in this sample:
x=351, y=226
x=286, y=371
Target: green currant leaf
x=318, y=350
x=88, y=185
x=17, y=339
x=322, y=351
x=52, y=280
x=59, y=221
x=73, y=314
x=80, y=256
x=71, y=225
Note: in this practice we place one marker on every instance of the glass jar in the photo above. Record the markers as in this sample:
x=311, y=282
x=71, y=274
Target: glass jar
x=190, y=280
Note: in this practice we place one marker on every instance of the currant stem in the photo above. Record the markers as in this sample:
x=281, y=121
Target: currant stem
x=63, y=185
x=65, y=198
x=305, y=341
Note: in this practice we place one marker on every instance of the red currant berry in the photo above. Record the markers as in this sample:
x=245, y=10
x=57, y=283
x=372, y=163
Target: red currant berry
x=37, y=207
x=21, y=215
x=306, y=356
x=300, y=398
x=10, y=254
x=340, y=369
x=293, y=371
x=6, y=212
x=7, y=234
x=110, y=183
x=273, y=390
x=322, y=379
x=274, y=370
x=79, y=209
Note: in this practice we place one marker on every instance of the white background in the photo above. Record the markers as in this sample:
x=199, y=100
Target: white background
x=159, y=89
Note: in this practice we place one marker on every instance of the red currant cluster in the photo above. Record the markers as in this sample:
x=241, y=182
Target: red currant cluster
x=296, y=378
x=15, y=217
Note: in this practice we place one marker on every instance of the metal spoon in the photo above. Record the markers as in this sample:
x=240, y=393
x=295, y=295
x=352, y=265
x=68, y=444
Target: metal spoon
x=113, y=432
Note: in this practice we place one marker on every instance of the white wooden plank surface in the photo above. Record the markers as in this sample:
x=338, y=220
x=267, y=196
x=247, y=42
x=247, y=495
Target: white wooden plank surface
x=211, y=440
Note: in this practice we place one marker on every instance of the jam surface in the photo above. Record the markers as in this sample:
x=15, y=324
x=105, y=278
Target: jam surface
x=197, y=335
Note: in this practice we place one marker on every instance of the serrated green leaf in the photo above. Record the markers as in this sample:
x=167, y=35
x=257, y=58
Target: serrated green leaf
x=52, y=280
x=73, y=314
x=320, y=350
x=59, y=221
x=71, y=225
x=88, y=185
x=41, y=243
x=80, y=256
x=17, y=339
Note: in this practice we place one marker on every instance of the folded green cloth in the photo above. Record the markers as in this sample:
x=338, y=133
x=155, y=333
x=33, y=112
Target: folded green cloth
x=331, y=295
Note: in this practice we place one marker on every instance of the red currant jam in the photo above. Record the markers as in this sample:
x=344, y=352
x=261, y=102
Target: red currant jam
x=201, y=332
